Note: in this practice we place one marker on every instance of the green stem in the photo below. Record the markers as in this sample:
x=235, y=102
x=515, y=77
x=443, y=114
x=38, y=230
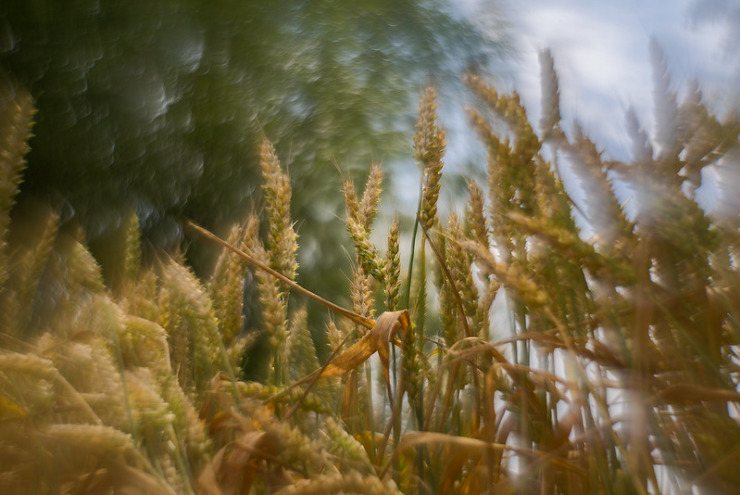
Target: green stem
x=407, y=296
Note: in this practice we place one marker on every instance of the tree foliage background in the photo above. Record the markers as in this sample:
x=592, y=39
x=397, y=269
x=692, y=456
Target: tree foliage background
x=159, y=106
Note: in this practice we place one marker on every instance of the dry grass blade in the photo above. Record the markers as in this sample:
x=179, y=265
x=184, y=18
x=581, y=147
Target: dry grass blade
x=418, y=438
x=360, y=320
x=687, y=393
x=378, y=340
x=235, y=467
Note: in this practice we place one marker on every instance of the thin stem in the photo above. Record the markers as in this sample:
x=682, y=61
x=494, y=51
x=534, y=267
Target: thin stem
x=360, y=320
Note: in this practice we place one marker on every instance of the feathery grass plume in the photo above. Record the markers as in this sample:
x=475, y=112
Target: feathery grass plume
x=448, y=309
x=236, y=350
x=151, y=413
x=97, y=458
x=667, y=132
x=352, y=482
x=368, y=207
x=475, y=216
x=510, y=109
x=476, y=228
x=298, y=448
x=360, y=216
x=350, y=199
x=281, y=252
x=550, y=200
x=28, y=389
x=605, y=213
x=367, y=273
x=282, y=240
x=392, y=269
x=459, y=262
x=501, y=190
x=180, y=444
x=274, y=308
x=642, y=148
x=144, y=343
x=35, y=395
x=179, y=342
x=362, y=295
x=569, y=244
x=681, y=233
x=511, y=277
x=136, y=291
x=166, y=422
x=550, y=120
x=143, y=296
x=705, y=138
x=82, y=273
x=26, y=363
x=82, y=332
x=510, y=174
x=28, y=394
x=166, y=434
x=226, y=287
x=94, y=439
x=132, y=250
x=71, y=280
x=412, y=354
x=429, y=149
x=274, y=304
x=187, y=316
x=669, y=217
x=334, y=335
x=189, y=434
x=367, y=254
x=30, y=249
x=92, y=371
x=300, y=346
x=350, y=453
x=16, y=120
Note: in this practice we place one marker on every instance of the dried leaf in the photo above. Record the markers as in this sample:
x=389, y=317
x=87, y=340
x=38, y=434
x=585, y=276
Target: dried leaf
x=414, y=438
x=378, y=339
x=234, y=467
x=696, y=393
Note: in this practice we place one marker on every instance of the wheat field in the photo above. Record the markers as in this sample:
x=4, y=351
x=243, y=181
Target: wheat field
x=615, y=372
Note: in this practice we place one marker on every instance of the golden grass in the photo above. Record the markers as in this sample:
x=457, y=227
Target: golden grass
x=558, y=364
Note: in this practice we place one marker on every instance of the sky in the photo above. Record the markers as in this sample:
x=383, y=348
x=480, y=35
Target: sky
x=601, y=52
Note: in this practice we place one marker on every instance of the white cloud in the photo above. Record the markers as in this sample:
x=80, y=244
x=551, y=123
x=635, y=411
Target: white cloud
x=602, y=57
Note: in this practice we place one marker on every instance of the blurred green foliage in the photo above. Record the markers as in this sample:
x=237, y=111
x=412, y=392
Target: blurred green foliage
x=158, y=106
